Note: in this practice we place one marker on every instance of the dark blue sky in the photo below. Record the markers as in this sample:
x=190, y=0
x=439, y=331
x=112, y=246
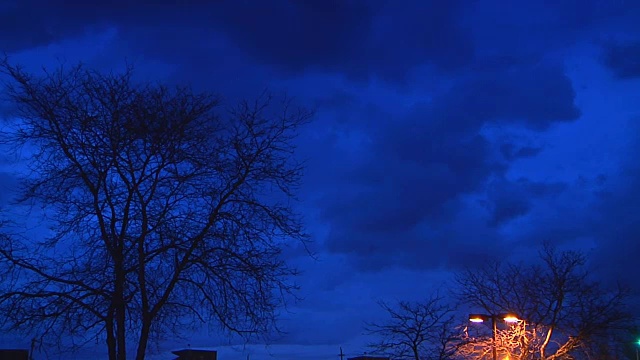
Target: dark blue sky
x=447, y=132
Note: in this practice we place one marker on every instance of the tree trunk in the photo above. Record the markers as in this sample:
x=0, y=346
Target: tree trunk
x=143, y=340
x=111, y=339
x=147, y=317
x=120, y=308
x=121, y=333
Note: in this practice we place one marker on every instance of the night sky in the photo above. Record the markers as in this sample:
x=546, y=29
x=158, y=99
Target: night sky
x=447, y=133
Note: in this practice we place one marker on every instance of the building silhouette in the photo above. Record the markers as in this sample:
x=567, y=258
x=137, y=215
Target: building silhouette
x=14, y=354
x=195, y=354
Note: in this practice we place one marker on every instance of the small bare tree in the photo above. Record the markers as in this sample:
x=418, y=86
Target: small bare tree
x=164, y=211
x=565, y=311
x=416, y=330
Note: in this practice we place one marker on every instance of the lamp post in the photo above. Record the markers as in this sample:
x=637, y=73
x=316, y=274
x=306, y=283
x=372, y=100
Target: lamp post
x=638, y=345
x=509, y=318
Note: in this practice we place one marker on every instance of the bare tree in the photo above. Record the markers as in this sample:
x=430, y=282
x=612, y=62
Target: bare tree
x=165, y=212
x=512, y=341
x=565, y=311
x=416, y=330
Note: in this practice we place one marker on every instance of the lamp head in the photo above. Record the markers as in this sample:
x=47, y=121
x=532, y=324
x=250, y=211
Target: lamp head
x=510, y=318
x=477, y=318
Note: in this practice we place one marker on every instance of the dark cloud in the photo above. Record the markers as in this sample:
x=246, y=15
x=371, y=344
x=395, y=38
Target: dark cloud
x=534, y=96
x=615, y=219
x=623, y=59
x=565, y=214
x=508, y=34
x=512, y=151
x=31, y=23
x=298, y=34
x=512, y=199
x=591, y=13
x=418, y=33
x=421, y=167
x=357, y=38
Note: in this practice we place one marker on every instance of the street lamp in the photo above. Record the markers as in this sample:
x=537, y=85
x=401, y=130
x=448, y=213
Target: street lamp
x=637, y=354
x=509, y=318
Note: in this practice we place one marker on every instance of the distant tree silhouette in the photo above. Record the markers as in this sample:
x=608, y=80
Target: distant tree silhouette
x=164, y=212
x=566, y=312
x=421, y=330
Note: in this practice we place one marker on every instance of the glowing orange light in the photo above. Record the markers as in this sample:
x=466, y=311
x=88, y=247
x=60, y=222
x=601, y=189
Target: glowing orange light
x=476, y=318
x=511, y=318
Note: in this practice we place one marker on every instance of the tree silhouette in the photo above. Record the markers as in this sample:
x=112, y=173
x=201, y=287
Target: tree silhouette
x=164, y=210
x=416, y=330
x=566, y=312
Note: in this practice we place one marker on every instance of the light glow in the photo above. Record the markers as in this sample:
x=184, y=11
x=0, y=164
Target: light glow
x=511, y=319
x=477, y=318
